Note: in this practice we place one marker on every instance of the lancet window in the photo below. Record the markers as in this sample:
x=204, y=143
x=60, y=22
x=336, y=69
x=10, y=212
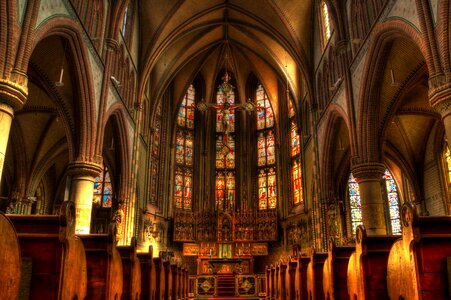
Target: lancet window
x=393, y=203
x=184, y=150
x=266, y=154
x=296, y=170
x=103, y=190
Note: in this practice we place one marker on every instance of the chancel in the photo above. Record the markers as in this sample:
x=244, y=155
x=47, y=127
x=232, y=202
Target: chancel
x=225, y=149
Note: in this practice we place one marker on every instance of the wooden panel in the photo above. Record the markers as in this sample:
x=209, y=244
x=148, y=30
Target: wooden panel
x=335, y=272
x=315, y=276
x=417, y=262
x=147, y=274
x=9, y=260
x=131, y=271
x=367, y=268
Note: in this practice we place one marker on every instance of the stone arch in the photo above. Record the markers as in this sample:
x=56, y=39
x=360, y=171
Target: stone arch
x=117, y=115
x=86, y=132
x=368, y=123
x=9, y=35
x=337, y=121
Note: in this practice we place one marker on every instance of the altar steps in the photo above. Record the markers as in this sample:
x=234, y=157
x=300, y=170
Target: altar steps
x=226, y=286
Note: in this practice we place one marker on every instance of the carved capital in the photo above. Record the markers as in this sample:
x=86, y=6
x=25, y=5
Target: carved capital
x=440, y=98
x=368, y=171
x=111, y=44
x=14, y=91
x=84, y=168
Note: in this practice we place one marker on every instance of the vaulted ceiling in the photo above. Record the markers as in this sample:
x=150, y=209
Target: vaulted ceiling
x=185, y=38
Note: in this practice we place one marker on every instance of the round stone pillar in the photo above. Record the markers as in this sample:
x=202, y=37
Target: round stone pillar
x=12, y=98
x=440, y=100
x=369, y=176
x=81, y=193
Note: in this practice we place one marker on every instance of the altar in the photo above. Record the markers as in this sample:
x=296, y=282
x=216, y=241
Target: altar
x=216, y=266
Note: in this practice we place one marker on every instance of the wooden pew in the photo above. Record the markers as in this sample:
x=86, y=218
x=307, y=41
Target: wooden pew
x=131, y=271
x=417, y=262
x=367, y=268
x=268, y=281
x=282, y=295
x=104, y=263
x=301, y=278
x=9, y=260
x=147, y=274
x=173, y=285
x=291, y=278
x=58, y=262
x=315, y=275
x=167, y=275
x=159, y=279
x=335, y=271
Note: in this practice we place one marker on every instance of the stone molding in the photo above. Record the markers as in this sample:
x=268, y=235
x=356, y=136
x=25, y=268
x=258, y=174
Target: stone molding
x=368, y=171
x=84, y=168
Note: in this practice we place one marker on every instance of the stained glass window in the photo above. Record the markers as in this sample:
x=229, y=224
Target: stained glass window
x=297, y=183
x=295, y=147
x=103, y=191
x=267, y=189
x=225, y=146
x=326, y=21
x=225, y=152
x=183, y=189
x=266, y=152
x=265, y=114
x=354, y=201
x=295, y=140
x=184, y=151
x=393, y=203
x=186, y=112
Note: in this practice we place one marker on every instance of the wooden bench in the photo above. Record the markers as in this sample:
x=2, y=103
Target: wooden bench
x=367, y=268
x=159, y=279
x=417, y=263
x=104, y=265
x=9, y=260
x=315, y=275
x=131, y=271
x=301, y=278
x=147, y=274
x=282, y=280
x=57, y=258
x=291, y=278
x=335, y=272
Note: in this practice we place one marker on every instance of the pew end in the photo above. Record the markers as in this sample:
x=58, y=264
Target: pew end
x=9, y=260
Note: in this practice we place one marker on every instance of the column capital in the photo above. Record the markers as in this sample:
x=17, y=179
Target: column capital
x=84, y=168
x=14, y=93
x=111, y=44
x=368, y=171
x=440, y=98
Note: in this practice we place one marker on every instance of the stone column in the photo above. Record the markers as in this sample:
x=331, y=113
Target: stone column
x=12, y=98
x=369, y=176
x=440, y=100
x=82, y=191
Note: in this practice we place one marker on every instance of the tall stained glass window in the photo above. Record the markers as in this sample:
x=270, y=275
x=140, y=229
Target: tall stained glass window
x=354, y=201
x=184, y=152
x=225, y=185
x=326, y=21
x=103, y=190
x=296, y=171
x=393, y=203
x=266, y=154
x=448, y=163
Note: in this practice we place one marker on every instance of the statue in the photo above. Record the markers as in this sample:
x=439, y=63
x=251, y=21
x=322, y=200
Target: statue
x=118, y=217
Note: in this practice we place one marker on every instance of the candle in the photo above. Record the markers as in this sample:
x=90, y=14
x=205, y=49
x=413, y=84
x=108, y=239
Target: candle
x=210, y=251
x=239, y=252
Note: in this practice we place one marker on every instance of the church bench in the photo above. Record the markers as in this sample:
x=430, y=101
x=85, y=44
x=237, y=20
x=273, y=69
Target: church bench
x=367, y=268
x=335, y=271
x=173, y=285
x=291, y=278
x=166, y=275
x=417, y=263
x=131, y=271
x=315, y=275
x=57, y=268
x=147, y=274
x=282, y=294
x=301, y=278
x=104, y=265
x=159, y=278
x=9, y=260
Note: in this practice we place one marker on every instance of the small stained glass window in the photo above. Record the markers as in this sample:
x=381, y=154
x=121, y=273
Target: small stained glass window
x=103, y=190
x=354, y=200
x=393, y=203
